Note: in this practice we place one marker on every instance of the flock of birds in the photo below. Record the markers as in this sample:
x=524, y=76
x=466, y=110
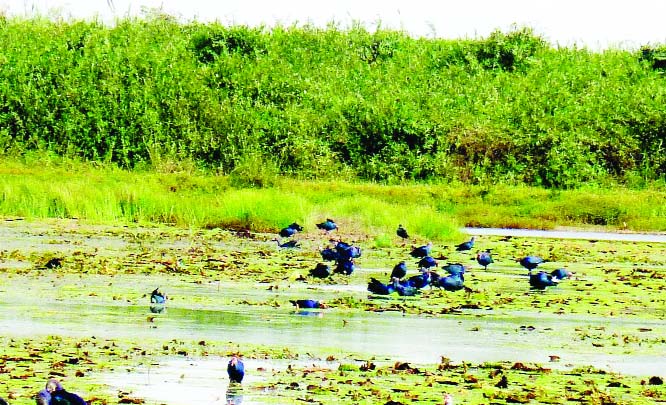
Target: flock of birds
x=343, y=254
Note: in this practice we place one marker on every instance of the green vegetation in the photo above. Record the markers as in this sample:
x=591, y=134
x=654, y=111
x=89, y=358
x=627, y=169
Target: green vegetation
x=38, y=188
x=332, y=103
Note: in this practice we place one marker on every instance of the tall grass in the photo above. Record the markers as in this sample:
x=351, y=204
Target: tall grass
x=56, y=188
x=334, y=103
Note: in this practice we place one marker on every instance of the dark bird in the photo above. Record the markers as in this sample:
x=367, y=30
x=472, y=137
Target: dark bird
x=484, y=259
x=346, y=251
x=454, y=268
x=157, y=297
x=54, y=263
x=290, y=244
x=453, y=282
x=328, y=225
x=405, y=290
x=420, y=280
x=321, y=270
x=309, y=304
x=399, y=270
x=54, y=394
x=541, y=280
x=530, y=262
x=377, y=287
x=402, y=232
x=329, y=254
x=291, y=230
x=427, y=262
x=235, y=370
x=346, y=267
x=422, y=251
x=466, y=245
x=560, y=274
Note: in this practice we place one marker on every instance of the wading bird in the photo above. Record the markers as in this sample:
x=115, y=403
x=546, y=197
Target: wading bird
x=157, y=297
x=402, y=232
x=236, y=370
x=399, y=270
x=530, y=262
x=466, y=245
x=308, y=304
x=541, y=280
x=484, y=259
x=422, y=251
x=291, y=230
x=54, y=394
x=321, y=270
x=327, y=225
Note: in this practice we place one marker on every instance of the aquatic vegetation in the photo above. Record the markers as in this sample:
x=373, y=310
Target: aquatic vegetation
x=616, y=281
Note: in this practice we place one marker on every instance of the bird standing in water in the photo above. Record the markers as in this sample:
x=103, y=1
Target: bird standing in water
x=235, y=370
x=530, y=262
x=55, y=394
x=157, y=297
x=399, y=270
x=422, y=251
x=484, y=259
x=308, y=304
x=465, y=245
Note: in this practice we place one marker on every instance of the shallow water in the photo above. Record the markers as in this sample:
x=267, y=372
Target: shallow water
x=49, y=304
x=476, y=336
x=569, y=234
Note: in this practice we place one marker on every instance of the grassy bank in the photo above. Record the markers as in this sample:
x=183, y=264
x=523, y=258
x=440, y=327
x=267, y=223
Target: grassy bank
x=57, y=188
x=335, y=103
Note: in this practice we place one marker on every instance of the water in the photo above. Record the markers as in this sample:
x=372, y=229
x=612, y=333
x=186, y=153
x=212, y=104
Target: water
x=49, y=304
x=568, y=234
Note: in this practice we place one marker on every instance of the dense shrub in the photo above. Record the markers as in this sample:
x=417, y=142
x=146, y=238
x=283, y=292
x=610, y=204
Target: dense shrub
x=330, y=102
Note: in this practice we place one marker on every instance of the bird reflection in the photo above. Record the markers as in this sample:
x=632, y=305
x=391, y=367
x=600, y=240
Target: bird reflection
x=234, y=395
x=158, y=309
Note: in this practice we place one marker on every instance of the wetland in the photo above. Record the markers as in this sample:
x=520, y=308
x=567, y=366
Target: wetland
x=597, y=337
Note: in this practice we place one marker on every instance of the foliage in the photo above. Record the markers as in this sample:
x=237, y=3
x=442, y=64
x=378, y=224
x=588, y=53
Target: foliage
x=333, y=103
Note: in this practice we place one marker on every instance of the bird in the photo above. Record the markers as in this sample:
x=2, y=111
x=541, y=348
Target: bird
x=328, y=225
x=427, y=262
x=530, y=262
x=453, y=282
x=54, y=394
x=454, y=268
x=405, y=290
x=465, y=245
x=377, y=287
x=560, y=274
x=290, y=244
x=321, y=270
x=448, y=399
x=329, y=254
x=422, y=251
x=484, y=259
x=290, y=230
x=157, y=297
x=309, y=304
x=54, y=263
x=236, y=370
x=541, y=280
x=402, y=232
x=420, y=280
x=346, y=267
x=346, y=251
x=399, y=270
